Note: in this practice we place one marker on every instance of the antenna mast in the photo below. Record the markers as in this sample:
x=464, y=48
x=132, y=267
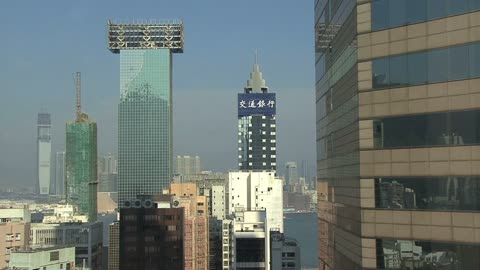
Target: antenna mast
x=78, y=96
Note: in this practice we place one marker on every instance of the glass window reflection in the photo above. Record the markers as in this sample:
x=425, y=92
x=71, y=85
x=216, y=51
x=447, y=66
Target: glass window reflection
x=437, y=66
x=416, y=11
x=433, y=66
x=394, y=13
x=417, y=68
x=458, y=63
x=408, y=254
x=428, y=193
x=424, y=130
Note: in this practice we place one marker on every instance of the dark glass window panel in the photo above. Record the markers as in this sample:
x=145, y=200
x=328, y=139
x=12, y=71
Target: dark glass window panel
x=437, y=66
x=394, y=133
x=436, y=9
x=435, y=129
x=398, y=71
x=416, y=11
x=458, y=62
x=380, y=77
x=408, y=254
x=474, y=53
x=320, y=67
x=429, y=193
x=465, y=127
x=380, y=15
x=474, y=5
x=417, y=68
x=398, y=13
x=458, y=6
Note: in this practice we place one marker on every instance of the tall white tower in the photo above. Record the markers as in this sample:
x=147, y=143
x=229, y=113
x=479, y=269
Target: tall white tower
x=44, y=153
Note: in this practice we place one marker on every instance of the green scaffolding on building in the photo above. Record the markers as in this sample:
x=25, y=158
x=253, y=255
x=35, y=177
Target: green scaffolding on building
x=81, y=166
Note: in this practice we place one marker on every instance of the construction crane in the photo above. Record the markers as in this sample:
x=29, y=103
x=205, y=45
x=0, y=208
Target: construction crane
x=78, y=100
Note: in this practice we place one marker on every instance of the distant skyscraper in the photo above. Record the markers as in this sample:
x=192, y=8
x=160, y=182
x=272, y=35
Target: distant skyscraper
x=108, y=164
x=145, y=109
x=256, y=125
x=81, y=161
x=291, y=173
x=187, y=165
x=60, y=173
x=44, y=153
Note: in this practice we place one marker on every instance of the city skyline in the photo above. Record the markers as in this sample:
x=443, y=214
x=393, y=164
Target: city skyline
x=198, y=94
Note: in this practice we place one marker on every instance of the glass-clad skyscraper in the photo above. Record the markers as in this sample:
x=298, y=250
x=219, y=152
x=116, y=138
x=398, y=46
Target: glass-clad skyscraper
x=44, y=153
x=145, y=109
x=398, y=133
x=257, y=125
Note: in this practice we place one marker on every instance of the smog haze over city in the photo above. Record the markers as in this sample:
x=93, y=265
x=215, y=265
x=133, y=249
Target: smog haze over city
x=45, y=42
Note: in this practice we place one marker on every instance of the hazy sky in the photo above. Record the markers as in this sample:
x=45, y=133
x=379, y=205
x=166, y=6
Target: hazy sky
x=44, y=42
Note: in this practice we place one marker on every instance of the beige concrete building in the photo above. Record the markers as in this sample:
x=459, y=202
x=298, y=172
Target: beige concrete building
x=398, y=134
x=196, y=232
x=14, y=232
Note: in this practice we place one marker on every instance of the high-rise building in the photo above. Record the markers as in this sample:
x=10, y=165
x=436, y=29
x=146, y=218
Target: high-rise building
x=291, y=173
x=251, y=191
x=60, y=173
x=187, y=165
x=398, y=113
x=108, y=164
x=285, y=252
x=246, y=241
x=152, y=235
x=145, y=109
x=256, y=125
x=114, y=246
x=81, y=161
x=195, y=225
x=44, y=153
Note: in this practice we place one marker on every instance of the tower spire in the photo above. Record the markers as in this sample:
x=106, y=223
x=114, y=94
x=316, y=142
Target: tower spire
x=256, y=83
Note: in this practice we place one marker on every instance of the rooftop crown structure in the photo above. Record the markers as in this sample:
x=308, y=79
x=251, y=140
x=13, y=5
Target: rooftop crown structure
x=146, y=34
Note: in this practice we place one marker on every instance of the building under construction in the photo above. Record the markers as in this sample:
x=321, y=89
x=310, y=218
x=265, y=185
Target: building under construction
x=81, y=160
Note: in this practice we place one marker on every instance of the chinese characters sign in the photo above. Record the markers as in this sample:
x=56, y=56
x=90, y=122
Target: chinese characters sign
x=256, y=103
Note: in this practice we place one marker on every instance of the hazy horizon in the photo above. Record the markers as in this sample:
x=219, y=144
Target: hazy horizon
x=49, y=43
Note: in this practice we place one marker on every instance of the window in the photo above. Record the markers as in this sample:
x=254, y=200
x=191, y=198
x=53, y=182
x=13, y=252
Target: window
x=433, y=66
x=457, y=59
x=398, y=71
x=430, y=193
x=416, y=11
x=437, y=66
x=380, y=73
x=380, y=15
x=395, y=13
x=417, y=68
x=54, y=255
x=434, y=129
x=394, y=254
x=9, y=237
